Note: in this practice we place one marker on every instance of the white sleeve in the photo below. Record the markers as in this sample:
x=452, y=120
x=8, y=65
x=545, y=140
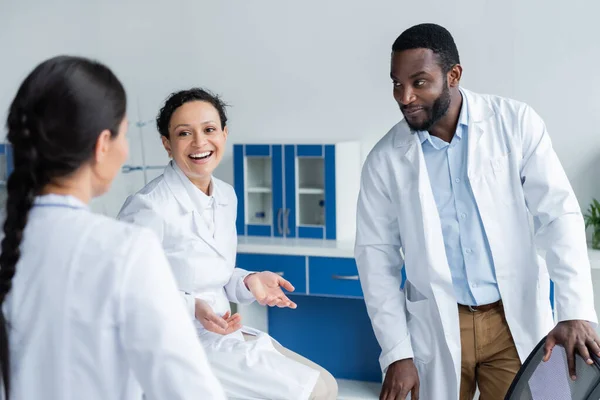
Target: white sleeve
x=236, y=289
x=558, y=222
x=377, y=253
x=158, y=337
x=138, y=211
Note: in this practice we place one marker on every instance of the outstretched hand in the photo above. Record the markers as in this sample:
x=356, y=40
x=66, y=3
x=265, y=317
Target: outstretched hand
x=267, y=287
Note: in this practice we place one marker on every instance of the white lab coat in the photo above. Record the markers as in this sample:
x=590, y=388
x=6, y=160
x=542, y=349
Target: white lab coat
x=94, y=313
x=203, y=262
x=514, y=174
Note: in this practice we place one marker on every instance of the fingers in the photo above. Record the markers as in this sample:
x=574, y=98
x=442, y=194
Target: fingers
x=222, y=325
x=234, y=319
x=212, y=327
x=570, y=349
x=218, y=321
x=548, y=346
x=593, y=347
x=584, y=353
x=234, y=326
x=286, y=302
x=403, y=392
x=414, y=393
x=292, y=305
x=387, y=393
x=391, y=391
x=593, y=343
x=280, y=301
x=286, y=285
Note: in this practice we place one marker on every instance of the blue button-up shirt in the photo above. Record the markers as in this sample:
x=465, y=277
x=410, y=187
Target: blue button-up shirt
x=467, y=248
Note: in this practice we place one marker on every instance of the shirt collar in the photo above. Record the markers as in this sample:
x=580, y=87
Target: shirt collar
x=59, y=200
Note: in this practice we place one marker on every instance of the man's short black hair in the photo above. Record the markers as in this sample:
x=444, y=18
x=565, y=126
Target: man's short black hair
x=433, y=37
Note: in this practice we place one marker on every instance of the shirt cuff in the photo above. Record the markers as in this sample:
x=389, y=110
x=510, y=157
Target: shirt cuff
x=244, y=296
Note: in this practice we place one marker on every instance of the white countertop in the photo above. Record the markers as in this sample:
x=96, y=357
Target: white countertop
x=301, y=247
x=322, y=248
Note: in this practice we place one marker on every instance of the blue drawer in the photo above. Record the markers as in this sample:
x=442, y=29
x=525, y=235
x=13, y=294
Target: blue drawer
x=332, y=276
x=292, y=268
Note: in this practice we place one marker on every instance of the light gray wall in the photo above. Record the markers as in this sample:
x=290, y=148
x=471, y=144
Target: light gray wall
x=304, y=71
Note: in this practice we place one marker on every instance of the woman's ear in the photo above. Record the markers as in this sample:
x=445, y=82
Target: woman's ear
x=167, y=145
x=102, y=146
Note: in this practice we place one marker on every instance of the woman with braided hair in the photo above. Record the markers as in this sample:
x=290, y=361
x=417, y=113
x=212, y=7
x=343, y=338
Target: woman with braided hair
x=90, y=309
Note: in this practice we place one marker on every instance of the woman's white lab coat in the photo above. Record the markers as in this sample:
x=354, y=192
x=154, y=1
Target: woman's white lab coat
x=94, y=313
x=514, y=174
x=203, y=262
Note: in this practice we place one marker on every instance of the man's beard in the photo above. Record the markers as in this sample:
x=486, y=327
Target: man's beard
x=438, y=110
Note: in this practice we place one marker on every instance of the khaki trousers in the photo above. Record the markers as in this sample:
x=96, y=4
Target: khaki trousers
x=489, y=356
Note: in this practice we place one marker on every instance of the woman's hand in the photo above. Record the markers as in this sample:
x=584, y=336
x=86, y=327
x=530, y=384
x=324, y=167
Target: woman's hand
x=266, y=288
x=212, y=322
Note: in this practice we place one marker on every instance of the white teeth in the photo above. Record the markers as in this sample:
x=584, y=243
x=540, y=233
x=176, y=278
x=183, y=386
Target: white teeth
x=201, y=155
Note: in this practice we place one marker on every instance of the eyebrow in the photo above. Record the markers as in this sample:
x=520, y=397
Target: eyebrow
x=177, y=126
x=189, y=125
x=416, y=74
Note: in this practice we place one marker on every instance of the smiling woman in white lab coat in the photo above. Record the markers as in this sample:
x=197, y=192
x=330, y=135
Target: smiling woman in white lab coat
x=90, y=307
x=194, y=215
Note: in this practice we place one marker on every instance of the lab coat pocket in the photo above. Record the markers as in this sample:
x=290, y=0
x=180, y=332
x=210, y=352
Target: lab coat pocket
x=419, y=327
x=500, y=179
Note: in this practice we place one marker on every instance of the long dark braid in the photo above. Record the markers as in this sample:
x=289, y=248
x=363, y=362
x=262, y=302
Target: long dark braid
x=22, y=186
x=53, y=126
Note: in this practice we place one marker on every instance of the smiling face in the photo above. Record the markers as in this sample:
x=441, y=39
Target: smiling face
x=196, y=141
x=421, y=88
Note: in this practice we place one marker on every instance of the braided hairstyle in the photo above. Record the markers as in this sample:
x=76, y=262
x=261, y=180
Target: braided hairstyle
x=53, y=125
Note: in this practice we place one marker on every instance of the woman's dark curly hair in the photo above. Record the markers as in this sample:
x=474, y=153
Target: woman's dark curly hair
x=177, y=99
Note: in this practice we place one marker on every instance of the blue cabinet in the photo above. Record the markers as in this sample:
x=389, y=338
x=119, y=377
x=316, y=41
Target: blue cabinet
x=292, y=268
x=292, y=190
x=330, y=326
x=332, y=276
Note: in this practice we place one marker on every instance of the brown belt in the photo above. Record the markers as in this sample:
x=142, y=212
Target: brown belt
x=484, y=307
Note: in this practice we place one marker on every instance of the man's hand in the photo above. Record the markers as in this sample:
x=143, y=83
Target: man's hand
x=401, y=378
x=212, y=322
x=266, y=288
x=573, y=335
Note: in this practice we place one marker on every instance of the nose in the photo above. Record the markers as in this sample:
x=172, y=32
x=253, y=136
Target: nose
x=405, y=95
x=200, y=139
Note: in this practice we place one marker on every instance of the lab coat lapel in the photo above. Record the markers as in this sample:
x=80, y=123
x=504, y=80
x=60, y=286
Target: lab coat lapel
x=431, y=240
x=479, y=112
x=224, y=227
x=180, y=186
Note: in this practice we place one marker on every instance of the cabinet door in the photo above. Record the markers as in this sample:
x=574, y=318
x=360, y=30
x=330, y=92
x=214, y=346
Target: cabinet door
x=258, y=185
x=292, y=268
x=310, y=191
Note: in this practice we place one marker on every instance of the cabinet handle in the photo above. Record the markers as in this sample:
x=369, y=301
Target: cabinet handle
x=345, y=277
x=286, y=222
x=280, y=221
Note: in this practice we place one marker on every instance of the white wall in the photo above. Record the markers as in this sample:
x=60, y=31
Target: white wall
x=317, y=69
